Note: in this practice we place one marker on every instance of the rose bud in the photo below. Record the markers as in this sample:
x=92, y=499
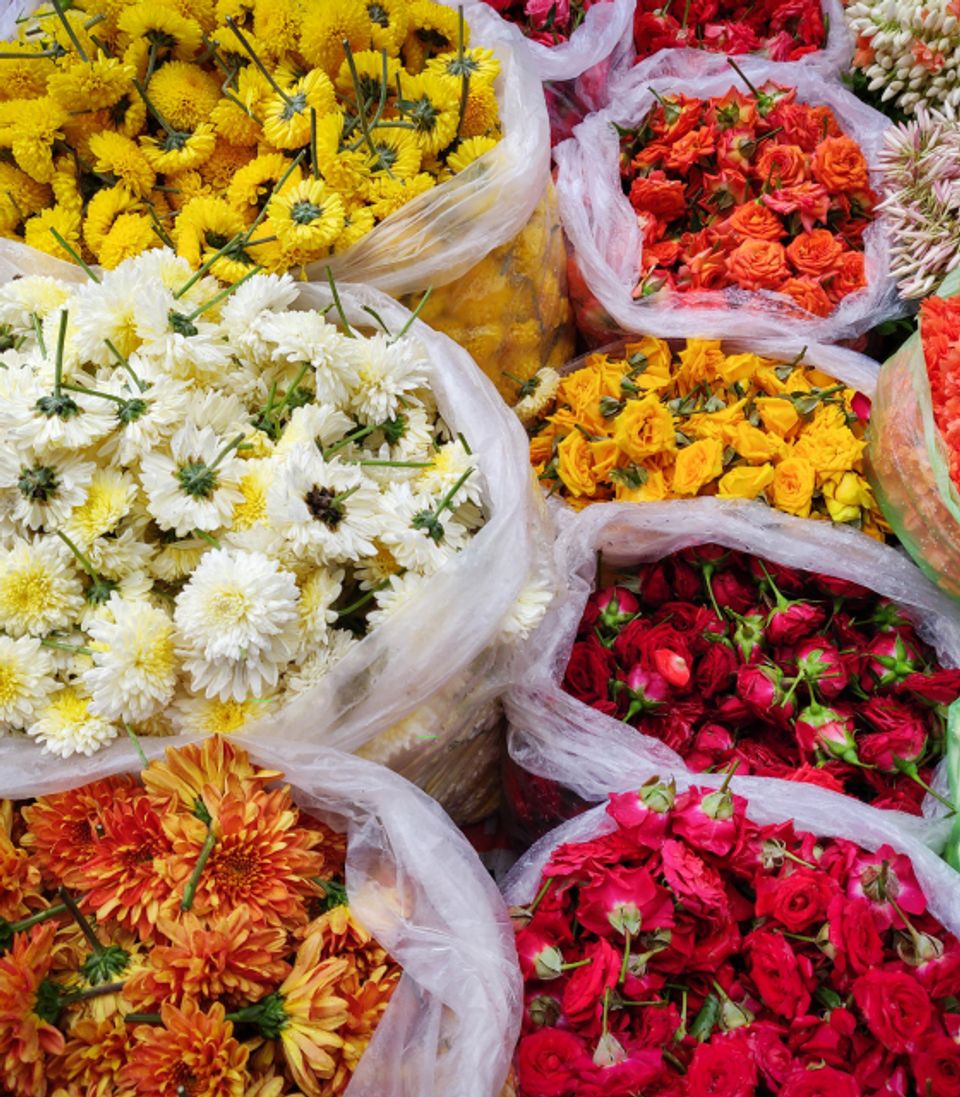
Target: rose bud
x=686, y=581
x=732, y=709
x=644, y=812
x=750, y=634
x=936, y=687
x=888, y=617
x=654, y=587
x=714, y=740
x=645, y=689
x=759, y=687
x=824, y=729
x=625, y=900
x=543, y=1010
x=882, y=876
x=731, y=592
x=890, y=658
x=617, y=606
x=769, y=573
x=589, y=673
x=839, y=588
x=860, y=405
x=714, y=672
x=537, y=947
x=821, y=665
x=672, y=667
x=709, y=822
x=791, y=622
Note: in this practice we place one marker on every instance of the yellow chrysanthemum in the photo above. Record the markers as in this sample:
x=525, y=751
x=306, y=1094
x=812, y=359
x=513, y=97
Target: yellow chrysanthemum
x=252, y=185
x=90, y=85
x=103, y=210
x=204, y=226
x=277, y=23
x=167, y=30
x=432, y=105
x=35, y=125
x=346, y=172
x=24, y=79
x=65, y=185
x=358, y=223
x=79, y=128
x=307, y=218
x=36, y=231
x=468, y=151
x=184, y=94
x=390, y=195
x=131, y=234
x=128, y=115
x=204, y=11
x=122, y=158
x=396, y=154
x=54, y=29
x=20, y=196
x=189, y=185
x=433, y=29
x=479, y=63
x=370, y=71
x=482, y=113
x=171, y=153
x=286, y=120
x=239, y=10
x=325, y=28
x=224, y=163
x=390, y=21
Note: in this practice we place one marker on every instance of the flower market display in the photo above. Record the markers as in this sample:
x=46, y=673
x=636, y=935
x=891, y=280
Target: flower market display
x=648, y=422
x=671, y=945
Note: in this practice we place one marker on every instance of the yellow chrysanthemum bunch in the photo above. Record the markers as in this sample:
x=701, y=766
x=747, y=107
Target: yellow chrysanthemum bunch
x=243, y=133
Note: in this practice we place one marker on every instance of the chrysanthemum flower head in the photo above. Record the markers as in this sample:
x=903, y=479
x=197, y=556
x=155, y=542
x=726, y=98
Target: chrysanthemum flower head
x=307, y=219
x=394, y=154
x=121, y=157
x=67, y=724
x=93, y=1056
x=184, y=94
x=39, y=590
x=431, y=103
x=25, y=681
x=20, y=197
x=187, y=771
x=20, y=894
x=36, y=231
x=479, y=63
x=90, y=85
x=204, y=227
x=468, y=151
x=256, y=181
x=225, y=161
x=326, y=26
x=433, y=29
x=159, y=25
x=389, y=23
x=286, y=119
x=180, y=151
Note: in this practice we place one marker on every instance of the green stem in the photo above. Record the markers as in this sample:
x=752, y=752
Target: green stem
x=131, y=734
x=626, y=957
x=142, y=92
x=38, y=333
x=734, y=765
x=71, y=33
x=362, y=601
x=58, y=361
x=125, y=364
x=338, y=304
x=93, y=392
x=464, y=72
x=191, y=889
x=448, y=498
x=248, y=49
x=277, y=187
x=143, y=1019
x=223, y=294
x=353, y=436
x=743, y=76
x=398, y=464
x=415, y=315
x=231, y=445
x=93, y=992
x=207, y=264
x=208, y=537
x=57, y=645
x=81, y=559
x=85, y=928
x=36, y=919
x=74, y=255
x=541, y=895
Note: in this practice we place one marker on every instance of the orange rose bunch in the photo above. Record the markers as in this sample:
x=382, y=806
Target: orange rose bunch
x=758, y=192
x=185, y=933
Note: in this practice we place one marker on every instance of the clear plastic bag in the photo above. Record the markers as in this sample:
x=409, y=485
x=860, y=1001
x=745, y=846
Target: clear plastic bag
x=604, y=27
x=511, y=311
x=418, y=693
x=542, y=715
x=606, y=239
x=414, y=882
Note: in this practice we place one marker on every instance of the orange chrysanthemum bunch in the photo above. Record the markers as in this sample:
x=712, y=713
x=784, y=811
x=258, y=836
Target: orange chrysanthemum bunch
x=186, y=933
x=940, y=332
x=267, y=133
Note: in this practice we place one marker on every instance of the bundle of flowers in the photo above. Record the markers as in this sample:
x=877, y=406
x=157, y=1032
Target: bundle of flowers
x=757, y=191
x=675, y=947
x=547, y=22
x=731, y=659
x=649, y=422
x=940, y=339
x=907, y=51
x=188, y=932
x=270, y=134
x=210, y=497
x=781, y=30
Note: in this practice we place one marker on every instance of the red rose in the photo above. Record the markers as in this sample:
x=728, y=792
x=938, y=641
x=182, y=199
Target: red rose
x=624, y=899
x=547, y=1061
x=711, y=747
x=584, y=990
x=653, y=584
x=731, y=592
x=839, y=588
x=895, y=1007
x=643, y=813
x=643, y=1067
x=659, y=196
x=820, y=663
x=829, y=731
x=940, y=687
x=617, y=606
x=715, y=670
x=537, y=945
x=798, y=899
x=821, y=1082
x=758, y=687
x=779, y=975
x=793, y=622
x=708, y=821
x=770, y=1053
x=892, y=657
x=885, y=749
x=854, y=935
x=723, y=1067
x=937, y=1068
x=695, y=883
x=883, y=876
x=589, y=672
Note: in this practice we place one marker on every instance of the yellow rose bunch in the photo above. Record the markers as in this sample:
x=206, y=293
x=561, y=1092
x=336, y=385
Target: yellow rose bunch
x=243, y=133
x=655, y=423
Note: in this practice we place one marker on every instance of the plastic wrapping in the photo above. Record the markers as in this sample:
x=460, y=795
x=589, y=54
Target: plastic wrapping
x=604, y=27
x=418, y=692
x=511, y=311
x=606, y=239
x=414, y=882
x=542, y=714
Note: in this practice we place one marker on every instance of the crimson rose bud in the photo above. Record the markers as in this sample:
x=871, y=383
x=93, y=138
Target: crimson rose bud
x=826, y=729
x=891, y=658
x=724, y=1067
x=895, y=1006
x=655, y=588
x=714, y=671
x=759, y=686
x=731, y=592
x=821, y=664
x=886, y=748
x=673, y=667
x=617, y=606
x=936, y=1067
x=793, y=622
x=589, y=671
x=547, y=1061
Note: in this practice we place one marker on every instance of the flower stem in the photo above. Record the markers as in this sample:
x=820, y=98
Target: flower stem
x=125, y=364
x=277, y=187
x=85, y=928
x=71, y=33
x=81, y=559
x=38, y=333
x=734, y=766
x=93, y=992
x=223, y=294
x=191, y=889
x=207, y=264
x=36, y=919
x=338, y=304
x=248, y=49
x=74, y=255
x=58, y=362
x=136, y=742
x=362, y=601
x=743, y=76
x=626, y=957
x=143, y=1019
x=414, y=316
x=57, y=645
x=541, y=895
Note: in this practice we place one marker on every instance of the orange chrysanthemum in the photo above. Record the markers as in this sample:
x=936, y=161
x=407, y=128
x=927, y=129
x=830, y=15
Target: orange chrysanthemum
x=188, y=770
x=93, y=1057
x=191, y=1052
x=25, y=1038
x=123, y=880
x=367, y=1002
x=63, y=828
x=231, y=959
x=19, y=883
x=262, y=858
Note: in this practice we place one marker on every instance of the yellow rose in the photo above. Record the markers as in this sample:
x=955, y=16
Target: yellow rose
x=605, y=455
x=818, y=378
x=841, y=495
x=700, y=361
x=655, y=351
x=696, y=465
x=792, y=488
x=740, y=367
x=828, y=417
x=541, y=446
x=644, y=429
x=576, y=465
x=652, y=491
x=777, y=415
x=713, y=424
x=830, y=451
x=745, y=482
x=754, y=445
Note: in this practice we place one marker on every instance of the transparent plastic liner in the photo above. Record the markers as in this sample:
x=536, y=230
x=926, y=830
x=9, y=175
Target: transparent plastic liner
x=414, y=689
x=415, y=883
x=605, y=237
x=539, y=711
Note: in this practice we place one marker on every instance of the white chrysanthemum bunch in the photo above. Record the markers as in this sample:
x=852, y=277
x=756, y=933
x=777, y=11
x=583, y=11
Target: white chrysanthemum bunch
x=921, y=188
x=206, y=498
x=910, y=50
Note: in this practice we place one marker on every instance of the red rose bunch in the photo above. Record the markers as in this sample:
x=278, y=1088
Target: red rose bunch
x=549, y=22
x=757, y=192
x=691, y=952
x=782, y=30
x=728, y=658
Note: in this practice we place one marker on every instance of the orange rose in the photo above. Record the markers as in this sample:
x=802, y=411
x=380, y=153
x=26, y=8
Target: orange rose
x=848, y=276
x=758, y=264
x=814, y=253
x=708, y=269
x=692, y=147
x=839, y=165
x=661, y=197
x=783, y=165
x=808, y=294
x=754, y=221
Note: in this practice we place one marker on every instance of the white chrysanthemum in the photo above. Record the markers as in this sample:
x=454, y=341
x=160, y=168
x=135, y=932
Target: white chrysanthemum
x=48, y=487
x=35, y=295
x=318, y=424
x=75, y=420
x=67, y=726
x=243, y=310
x=25, y=681
x=450, y=463
x=199, y=715
x=319, y=662
x=133, y=587
x=195, y=485
x=176, y=559
x=148, y=420
x=162, y=266
x=318, y=591
x=221, y=412
x=298, y=337
x=373, y=571
x=119, y=555
x=529, y=609
x=71, y=361
x=386, y=371
x=125, y=310
x=324, y=508
x=202, y=357
x=418, y=537
x=254, y=484
x=110, y=497
x=135, y=667
x=39, y=590
x=538, y=392
x=399, y=591
x=236, y=623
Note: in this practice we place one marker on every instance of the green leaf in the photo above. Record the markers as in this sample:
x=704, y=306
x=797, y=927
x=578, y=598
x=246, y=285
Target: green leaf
x=706, y=1020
